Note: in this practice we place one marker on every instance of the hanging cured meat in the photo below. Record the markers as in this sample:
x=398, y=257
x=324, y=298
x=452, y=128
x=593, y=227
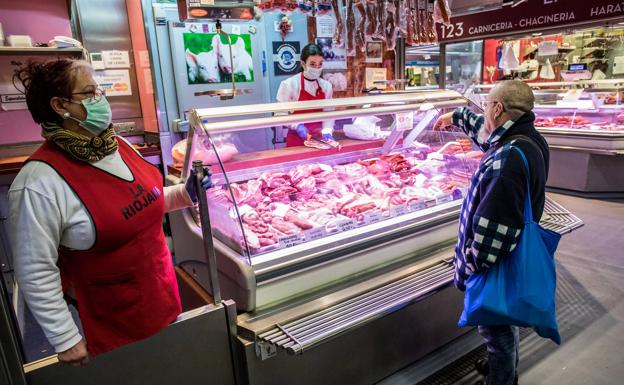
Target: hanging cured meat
x=380, y=16
x=431, y=28
x=422, y=22
x=371, y=20
x=392, y=18
x=442, y=12
x=351, y=28
x=339, y=24
x=360, y=34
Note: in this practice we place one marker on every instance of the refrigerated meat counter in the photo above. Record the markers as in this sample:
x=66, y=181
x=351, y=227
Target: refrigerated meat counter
x=583, y=123
x=338, y=258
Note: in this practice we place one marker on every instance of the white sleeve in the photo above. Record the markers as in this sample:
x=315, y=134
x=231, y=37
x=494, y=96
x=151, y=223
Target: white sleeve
x=35, y=223
x=176, y=198
x=287, y=93
x=328, y=125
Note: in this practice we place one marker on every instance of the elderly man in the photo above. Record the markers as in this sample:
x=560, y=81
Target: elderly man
x=492, y=212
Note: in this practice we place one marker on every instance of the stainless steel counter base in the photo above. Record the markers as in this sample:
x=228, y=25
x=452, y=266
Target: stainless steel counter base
x=584, y=170
x=365, y=354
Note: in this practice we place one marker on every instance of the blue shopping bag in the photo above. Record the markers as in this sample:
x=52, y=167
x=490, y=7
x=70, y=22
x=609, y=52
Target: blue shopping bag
x=519, y=289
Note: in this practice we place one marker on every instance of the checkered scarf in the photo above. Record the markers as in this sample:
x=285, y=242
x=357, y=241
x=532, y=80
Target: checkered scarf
x=483, y=240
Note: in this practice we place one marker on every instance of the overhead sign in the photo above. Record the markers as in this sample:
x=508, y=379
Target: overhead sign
x=528, y=16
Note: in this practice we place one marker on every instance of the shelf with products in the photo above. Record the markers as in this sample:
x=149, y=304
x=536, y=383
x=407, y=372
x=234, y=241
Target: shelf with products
x=39, y=50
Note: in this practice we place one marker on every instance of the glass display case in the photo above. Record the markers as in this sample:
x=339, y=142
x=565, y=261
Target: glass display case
x=583, y=123
x=279, y=212
x=330, y=249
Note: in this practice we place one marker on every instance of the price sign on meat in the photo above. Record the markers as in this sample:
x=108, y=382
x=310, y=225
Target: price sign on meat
x=314, y=234
x=346, y=225
x=404, y=121
x=416, y=206
x=290, y=241
x=445, y=198
x=373, y=217
x=398, y=210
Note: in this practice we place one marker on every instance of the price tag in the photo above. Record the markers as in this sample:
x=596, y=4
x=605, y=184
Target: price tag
x=416, y=206
x=445, y=198
x=398, y=210
x=346, y=225
x=290, y=241
x=404, y=121
x=373, y=217
x=430, y=203
x=314, y=234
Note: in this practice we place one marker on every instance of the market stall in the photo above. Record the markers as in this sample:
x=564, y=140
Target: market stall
x=328, y=252
x=583, y=122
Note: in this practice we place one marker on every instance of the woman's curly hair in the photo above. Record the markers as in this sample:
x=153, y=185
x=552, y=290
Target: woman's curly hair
x=41, y=81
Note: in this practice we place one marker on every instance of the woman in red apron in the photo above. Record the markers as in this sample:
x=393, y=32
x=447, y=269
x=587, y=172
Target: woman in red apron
x=305, y=86
x=86, y=216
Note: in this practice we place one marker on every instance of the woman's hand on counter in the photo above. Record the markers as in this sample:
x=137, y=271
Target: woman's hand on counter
x=443, y=122
x=206, y=183
x=77, y=355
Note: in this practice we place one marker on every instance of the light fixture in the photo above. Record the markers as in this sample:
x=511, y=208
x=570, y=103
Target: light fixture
x=537, y=34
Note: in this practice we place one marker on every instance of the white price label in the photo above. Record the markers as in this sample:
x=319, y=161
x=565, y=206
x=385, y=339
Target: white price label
x=373, y=217
x=314, y=234
x=398, y=210
x=416, y=206
x=346, y=225
x=290, y=241
x=445, y=198
x=404, y=121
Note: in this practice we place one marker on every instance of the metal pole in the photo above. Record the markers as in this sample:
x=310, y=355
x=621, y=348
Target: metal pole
x=11, y=363
x=211, y=258
x=442, y=56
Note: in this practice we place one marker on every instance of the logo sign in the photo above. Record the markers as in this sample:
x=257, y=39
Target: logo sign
x=286, y=57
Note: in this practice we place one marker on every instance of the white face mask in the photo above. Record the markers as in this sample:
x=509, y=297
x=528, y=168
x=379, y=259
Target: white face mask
x=312, y=73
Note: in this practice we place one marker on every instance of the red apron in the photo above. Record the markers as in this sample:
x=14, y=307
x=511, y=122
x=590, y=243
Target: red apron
x=125, y=283
x=315, y=128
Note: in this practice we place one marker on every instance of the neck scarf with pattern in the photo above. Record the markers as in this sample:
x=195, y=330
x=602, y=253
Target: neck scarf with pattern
x=81, y=147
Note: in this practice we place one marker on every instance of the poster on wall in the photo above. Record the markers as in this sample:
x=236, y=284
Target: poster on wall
x=376, y=78
x=374, y=52
x=325, y=26
x=334, y=58
x=208, y=58
x=114, y=82
x=286, y=57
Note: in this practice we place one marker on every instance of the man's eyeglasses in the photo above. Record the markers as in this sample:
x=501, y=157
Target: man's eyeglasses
x=95, y=95
x=485, y=103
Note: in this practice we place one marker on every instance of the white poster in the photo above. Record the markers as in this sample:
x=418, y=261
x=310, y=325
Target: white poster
x=374, y=75
x=114, y=82
x=116, y=59
x=547, y=48
x=325, y=26
x=335, y=57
